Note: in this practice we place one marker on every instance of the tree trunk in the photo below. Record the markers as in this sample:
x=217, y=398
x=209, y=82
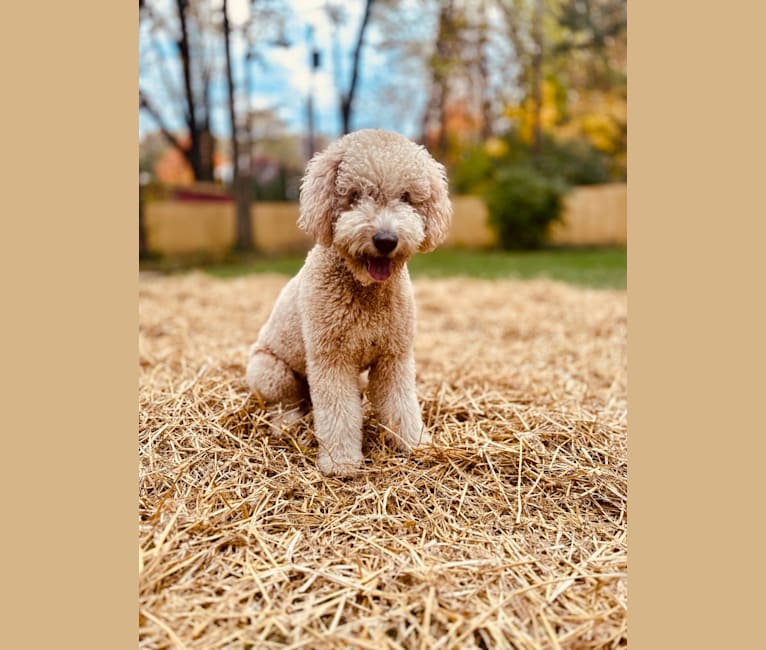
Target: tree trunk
x=436, y=111
x=537, y=78
x=241, y=192
x=347, y=101
x=198, y=152
x=193, y=153
x=483, y=71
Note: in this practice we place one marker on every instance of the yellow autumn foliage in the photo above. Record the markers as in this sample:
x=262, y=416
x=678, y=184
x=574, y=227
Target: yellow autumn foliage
x=496, y=148
x=524, y=113
x=593, y=115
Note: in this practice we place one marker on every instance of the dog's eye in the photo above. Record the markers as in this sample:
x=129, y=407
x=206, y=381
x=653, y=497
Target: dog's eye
x=353, y=197
x=405, y=198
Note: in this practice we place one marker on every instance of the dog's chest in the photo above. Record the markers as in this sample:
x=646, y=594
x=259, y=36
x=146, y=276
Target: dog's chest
x=371, y=342
x=368, y=335
x=362, y=331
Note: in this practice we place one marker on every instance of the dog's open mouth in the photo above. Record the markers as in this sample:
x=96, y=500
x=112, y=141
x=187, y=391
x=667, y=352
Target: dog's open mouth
x=379, y=268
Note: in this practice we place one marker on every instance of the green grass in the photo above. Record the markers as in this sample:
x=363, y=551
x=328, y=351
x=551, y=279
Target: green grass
x=284, y=264
x=591, y=267
x=601, y=268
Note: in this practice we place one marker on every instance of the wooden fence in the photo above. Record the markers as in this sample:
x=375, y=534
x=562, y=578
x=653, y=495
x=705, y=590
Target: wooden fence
x=593, y=215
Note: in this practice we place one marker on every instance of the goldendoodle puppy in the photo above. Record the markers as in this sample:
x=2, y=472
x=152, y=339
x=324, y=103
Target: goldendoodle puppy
x=370, y=201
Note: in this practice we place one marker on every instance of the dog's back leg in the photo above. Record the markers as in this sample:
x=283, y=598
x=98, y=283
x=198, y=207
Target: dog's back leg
x=277, y=384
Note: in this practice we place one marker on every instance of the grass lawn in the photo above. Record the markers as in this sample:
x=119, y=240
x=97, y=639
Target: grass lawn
x=602, y=268
x=592, y=267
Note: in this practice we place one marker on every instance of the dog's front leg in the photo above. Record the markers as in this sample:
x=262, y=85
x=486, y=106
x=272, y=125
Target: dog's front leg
x=334, y=389
x=394, y=398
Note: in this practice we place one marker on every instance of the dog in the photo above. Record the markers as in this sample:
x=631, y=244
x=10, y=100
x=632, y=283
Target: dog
x=370, y=201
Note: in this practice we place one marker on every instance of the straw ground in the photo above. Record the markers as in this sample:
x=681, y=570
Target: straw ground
x=510, y=532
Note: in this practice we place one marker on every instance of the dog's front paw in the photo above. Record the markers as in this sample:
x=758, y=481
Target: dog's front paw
x=339, y=465
x=423, y=441
x=407, y=439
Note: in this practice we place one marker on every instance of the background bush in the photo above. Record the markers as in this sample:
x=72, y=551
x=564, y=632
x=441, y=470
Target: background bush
x=522, y=203
x=523, y=189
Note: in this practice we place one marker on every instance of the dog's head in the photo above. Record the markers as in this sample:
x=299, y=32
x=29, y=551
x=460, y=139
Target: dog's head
x=378, y=198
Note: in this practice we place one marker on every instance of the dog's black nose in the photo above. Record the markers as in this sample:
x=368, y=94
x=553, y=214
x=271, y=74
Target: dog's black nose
x=385, y=241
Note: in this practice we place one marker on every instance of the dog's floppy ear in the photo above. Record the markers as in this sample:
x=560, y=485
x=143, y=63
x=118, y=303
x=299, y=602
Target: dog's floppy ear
x=437, y=210
x=318, y=201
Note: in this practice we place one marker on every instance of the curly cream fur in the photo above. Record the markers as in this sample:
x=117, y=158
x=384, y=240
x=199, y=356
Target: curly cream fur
x=339, y=317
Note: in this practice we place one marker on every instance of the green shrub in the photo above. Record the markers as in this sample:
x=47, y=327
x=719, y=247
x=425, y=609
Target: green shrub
x=524, y=189
x=575, y=161
x=473, y=170
x=522, y=203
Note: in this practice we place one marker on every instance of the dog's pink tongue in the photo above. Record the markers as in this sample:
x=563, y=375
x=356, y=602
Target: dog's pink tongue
x=379, y=268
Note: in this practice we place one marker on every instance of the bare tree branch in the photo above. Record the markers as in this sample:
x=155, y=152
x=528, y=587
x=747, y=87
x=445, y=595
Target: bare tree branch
x=171, y=88
x=183, y=47
x=155, y=114
x=241, y=195
x=347, y=101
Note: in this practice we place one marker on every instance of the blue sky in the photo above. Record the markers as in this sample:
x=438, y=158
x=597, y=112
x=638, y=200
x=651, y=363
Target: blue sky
x=282, y=82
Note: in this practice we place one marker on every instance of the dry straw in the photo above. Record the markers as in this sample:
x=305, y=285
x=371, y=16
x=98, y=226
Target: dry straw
x=509, y=533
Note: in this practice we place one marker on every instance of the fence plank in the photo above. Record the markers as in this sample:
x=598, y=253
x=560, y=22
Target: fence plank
x=593, y=215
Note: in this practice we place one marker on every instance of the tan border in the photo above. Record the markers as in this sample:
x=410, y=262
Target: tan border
x=70, y=317
x=695, y=228
x=695, y=278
